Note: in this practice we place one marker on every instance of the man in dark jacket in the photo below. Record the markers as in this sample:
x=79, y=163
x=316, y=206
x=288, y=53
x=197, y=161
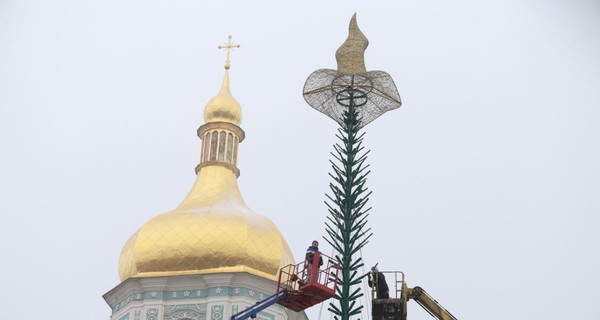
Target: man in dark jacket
x=310, y=253
x=377, y=279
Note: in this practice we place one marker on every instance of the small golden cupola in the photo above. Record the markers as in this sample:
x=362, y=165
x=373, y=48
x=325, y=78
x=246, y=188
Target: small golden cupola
x=212, y=230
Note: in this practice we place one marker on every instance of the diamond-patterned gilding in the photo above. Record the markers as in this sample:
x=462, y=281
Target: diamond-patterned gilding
x=212, y=231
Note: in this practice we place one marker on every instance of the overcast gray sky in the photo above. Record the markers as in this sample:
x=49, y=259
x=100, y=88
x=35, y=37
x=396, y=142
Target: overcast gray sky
x=485, y=181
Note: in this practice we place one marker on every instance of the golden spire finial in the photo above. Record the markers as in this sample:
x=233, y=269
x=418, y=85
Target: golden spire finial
x=223, y=107
x=351, y=54
x=228, y=46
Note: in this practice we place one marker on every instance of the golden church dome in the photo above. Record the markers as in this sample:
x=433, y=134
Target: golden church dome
x=223, y=107
x=212, y=230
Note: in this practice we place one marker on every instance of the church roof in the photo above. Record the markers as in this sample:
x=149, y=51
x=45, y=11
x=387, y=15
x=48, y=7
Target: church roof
x=212, y=230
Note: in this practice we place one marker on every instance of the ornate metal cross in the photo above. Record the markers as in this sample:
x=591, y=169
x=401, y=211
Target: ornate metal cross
x=228, y=46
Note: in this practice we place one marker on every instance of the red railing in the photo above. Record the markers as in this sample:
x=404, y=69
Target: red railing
x=307, y=282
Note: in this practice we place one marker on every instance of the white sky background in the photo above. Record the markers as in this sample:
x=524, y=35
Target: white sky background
x=485, y=181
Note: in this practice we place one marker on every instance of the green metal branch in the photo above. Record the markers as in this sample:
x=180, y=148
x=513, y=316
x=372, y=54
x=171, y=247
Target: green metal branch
x=346, y=226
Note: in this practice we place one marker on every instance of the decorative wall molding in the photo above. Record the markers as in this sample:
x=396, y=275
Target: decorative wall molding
x=190, y=294
x=216, y=312
x=185, y=311
x=152, y=314
x=194, y=297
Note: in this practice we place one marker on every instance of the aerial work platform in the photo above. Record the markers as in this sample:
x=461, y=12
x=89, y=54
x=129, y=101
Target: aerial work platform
x=394, y=307
x=300, y=286
x=308, y=284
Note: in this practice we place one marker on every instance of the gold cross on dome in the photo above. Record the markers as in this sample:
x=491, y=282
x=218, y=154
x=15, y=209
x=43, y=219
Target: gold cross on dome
x=228, y=46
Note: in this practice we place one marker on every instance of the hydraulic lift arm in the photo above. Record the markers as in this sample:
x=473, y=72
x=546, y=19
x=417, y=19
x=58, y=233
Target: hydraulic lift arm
x=251, y=312
x=429, y=304
x=395, y=306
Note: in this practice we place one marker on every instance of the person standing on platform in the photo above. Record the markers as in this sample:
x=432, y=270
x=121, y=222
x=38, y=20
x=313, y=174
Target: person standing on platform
x=309, y=262
x=377, y=281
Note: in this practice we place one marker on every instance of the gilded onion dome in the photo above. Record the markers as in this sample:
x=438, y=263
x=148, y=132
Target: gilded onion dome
x=223, y=107
x=212, y=230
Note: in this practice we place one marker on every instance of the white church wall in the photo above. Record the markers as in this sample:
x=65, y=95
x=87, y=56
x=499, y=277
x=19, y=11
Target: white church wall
x=194, y=297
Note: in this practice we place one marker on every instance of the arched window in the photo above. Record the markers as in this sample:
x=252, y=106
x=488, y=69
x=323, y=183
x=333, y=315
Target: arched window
x=229, y=147
x=222, y=140
x=213, y=146
x=206, y=144
x=235, y=149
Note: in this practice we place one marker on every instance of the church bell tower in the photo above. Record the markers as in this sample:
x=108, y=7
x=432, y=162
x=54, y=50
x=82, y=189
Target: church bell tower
x=212, y=256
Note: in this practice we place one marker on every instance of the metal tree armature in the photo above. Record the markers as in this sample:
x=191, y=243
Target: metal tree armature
x=346, y=226
x=352, y=97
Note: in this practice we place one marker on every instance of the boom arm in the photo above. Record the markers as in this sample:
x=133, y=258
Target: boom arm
x=429, y=304
x=251, y=312
x=395, y=307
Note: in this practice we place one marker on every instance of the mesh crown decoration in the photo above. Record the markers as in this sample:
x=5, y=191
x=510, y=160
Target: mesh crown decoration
x=374, y=91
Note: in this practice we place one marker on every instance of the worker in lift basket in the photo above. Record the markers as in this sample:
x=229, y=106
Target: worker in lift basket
x=310, y=253
x=377, y=279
